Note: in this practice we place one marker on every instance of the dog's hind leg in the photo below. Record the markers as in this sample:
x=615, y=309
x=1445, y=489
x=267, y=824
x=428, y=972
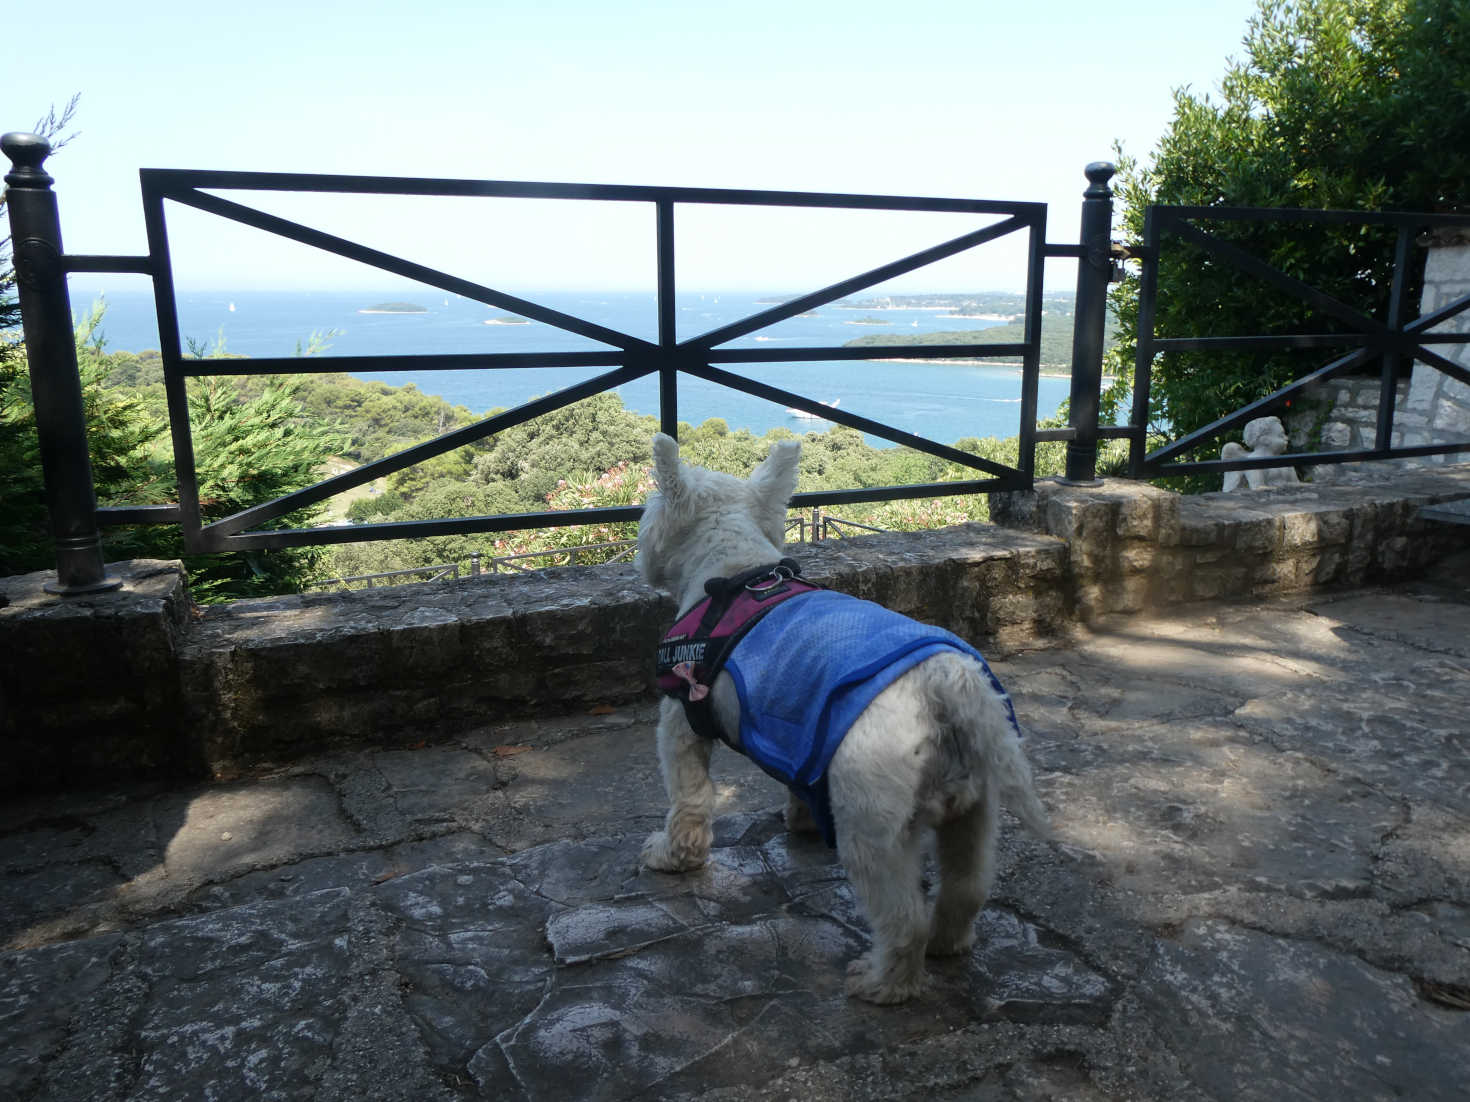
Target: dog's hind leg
x=886, y=878
x=966, y=852
x=798, y=816
x=684, y=842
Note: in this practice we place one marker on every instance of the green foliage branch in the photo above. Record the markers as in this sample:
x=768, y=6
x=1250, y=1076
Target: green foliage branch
x=1341, y=104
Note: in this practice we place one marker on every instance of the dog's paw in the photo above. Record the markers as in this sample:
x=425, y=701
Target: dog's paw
x=950, y=944
x=659, y=854
x=870, y=983
x=799, y=818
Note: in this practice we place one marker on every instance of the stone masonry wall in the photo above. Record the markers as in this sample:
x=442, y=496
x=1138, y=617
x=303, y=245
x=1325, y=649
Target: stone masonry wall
x=1133, y=546
x=1443, y=402
x=141, y=682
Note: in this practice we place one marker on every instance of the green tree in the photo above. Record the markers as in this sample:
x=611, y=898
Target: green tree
x=121, y=439
x=588, y=436
x=246, y=451
x=1348, y=104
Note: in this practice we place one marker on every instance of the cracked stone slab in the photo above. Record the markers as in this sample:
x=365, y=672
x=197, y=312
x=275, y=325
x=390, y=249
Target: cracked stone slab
x=551, y=799
x=698, y=1008
x=471, y=956
x=1256, y=1017
x=569, y=872
x=357, y=870
x=1398, y=737
x=38, y=991
x=440, y=784
x=570, y=964
x=36, y=906
x=1426, y=858
x=694, y=1009
x=214, y=832
x=1175, y=814
x=1018, y=976
x=1405, y=621
x=243, y=1002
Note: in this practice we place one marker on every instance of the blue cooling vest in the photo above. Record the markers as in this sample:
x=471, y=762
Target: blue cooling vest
x=806, y=671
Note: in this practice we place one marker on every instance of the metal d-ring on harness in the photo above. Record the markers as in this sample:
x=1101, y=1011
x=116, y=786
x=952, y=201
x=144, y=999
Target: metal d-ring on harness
x=692, y=653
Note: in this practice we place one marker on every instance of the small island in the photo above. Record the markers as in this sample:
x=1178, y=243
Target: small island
x=507, y=319
x=869, y=320
x=394, y=308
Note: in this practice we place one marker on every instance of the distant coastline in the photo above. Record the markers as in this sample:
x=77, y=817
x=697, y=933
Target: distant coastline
x=394, y=308
x=1050, y=371
x=927, y=396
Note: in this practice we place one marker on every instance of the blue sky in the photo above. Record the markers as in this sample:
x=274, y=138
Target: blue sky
x=925, y=97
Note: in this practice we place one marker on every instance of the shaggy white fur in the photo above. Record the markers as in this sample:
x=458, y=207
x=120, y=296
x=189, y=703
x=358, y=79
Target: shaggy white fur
x=935, y=751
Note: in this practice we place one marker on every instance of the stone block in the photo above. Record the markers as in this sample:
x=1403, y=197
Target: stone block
x=1205, y=585
x=1277, y=575
x=1394, y=555
x=1130, y=594
x=1168, y=530
x=1333, y=526
x=1137, y=557
x=1175, y=589
x=1300, y=530
x=1137, y=519
x=1062, y=519
x=1195, y=533
x=1331, y=567
x=1258, y=536
x=89, y=688
x=1017, y=608
x=1423, y=389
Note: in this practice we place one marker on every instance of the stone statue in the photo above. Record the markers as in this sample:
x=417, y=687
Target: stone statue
x=1264, y=436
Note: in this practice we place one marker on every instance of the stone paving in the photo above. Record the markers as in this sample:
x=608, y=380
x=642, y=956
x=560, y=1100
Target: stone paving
x=1260, y=889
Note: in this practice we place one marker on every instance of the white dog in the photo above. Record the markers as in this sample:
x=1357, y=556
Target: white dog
x=930, y=738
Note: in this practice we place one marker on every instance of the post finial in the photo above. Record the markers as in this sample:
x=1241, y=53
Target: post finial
x=27, y=153
x=1098, y=174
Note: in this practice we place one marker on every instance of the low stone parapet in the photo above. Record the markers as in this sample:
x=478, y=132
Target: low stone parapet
x=1132, y=546
x=141, y=682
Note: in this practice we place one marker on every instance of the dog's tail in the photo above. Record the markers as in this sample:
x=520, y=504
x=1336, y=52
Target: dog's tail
x=968, y=704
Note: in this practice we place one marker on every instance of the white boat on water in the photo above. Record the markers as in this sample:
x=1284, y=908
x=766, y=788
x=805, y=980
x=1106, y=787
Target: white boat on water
x=805, y=416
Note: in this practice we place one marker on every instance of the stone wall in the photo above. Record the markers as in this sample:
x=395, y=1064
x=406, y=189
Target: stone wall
x=1441, y=402
x=1132, y=546
x=138, y=682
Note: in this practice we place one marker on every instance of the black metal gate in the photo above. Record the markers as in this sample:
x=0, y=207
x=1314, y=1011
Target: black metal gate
x=1392, y=343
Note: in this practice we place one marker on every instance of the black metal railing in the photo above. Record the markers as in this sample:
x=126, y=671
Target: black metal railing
x=1392, y=343
x=42, y=266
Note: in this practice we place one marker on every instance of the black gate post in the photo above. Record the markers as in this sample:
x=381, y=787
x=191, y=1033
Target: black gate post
x=56, y=387
x=1094, y=270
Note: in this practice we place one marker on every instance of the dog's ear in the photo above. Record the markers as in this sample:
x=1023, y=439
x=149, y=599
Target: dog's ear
x=775, y=479
x=666, y=467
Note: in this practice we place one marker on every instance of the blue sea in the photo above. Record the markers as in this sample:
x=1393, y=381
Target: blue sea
x=942, y=401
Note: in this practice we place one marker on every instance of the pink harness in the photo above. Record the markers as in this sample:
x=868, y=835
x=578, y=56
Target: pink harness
x=693, y=651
